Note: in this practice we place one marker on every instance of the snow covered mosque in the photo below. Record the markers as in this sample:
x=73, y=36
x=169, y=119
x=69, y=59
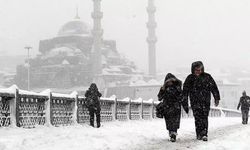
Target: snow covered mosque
x=69, y=60
x=78, y=55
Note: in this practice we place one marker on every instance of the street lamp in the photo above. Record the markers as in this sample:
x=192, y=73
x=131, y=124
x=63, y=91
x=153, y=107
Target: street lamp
x=28, y=49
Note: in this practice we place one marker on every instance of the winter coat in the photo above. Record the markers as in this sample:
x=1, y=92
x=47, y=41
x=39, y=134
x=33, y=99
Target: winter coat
x=199, y=89
x=92, y=98
x=244, y=103
x=171, y=97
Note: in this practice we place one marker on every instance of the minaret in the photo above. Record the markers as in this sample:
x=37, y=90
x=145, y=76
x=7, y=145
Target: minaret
x=77, y=14
x=151, y=39
x=97, y=33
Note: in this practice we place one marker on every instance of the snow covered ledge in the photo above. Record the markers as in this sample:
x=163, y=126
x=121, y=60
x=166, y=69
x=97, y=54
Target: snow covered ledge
x=58, y=106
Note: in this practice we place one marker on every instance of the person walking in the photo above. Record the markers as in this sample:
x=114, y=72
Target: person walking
x=198, y=86
x=93, y=104
x=244, y=104
x=171, y=95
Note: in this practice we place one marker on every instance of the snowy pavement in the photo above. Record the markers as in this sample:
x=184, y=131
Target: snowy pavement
x=224, y=134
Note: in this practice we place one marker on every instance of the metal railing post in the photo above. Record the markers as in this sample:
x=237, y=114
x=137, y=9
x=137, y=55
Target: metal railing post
x=48, y=113
x=114, y=110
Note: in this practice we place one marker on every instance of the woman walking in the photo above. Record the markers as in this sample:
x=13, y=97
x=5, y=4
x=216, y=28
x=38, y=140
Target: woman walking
x=171, y=95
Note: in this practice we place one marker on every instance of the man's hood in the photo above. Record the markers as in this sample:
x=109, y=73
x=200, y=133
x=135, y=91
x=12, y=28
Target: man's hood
x=197, y=64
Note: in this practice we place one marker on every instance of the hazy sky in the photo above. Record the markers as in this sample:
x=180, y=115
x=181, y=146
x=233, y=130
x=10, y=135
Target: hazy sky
x=215, y=31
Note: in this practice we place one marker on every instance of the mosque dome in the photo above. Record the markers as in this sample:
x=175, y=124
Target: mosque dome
x=74, y=27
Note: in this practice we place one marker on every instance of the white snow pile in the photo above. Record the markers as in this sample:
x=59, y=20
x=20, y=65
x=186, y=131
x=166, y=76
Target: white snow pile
x=224, y=133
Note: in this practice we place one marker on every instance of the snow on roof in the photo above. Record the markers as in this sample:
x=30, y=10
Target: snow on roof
x=219, y=73
x=115, y=69
x=227, y=82
x=77, y=50
x=104, y=60
x=162, y=81
x=105, y=71
x=243, y=79
x=153, y=82
x=140, y=82
x=112, y=70
x=65, y=62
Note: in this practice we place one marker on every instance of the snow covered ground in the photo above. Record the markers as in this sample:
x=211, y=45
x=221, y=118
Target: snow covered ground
x=224, y=133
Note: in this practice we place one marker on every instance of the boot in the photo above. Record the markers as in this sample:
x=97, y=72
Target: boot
x=98, y=125
x=98, y=118
x=199, y=137
x=173, y=136
x=92, y=123
x=204, y=138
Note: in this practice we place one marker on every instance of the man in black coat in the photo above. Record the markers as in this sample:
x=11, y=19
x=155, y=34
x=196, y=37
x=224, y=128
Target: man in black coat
x=244, y=104
x=198, y=87
x=93, y=104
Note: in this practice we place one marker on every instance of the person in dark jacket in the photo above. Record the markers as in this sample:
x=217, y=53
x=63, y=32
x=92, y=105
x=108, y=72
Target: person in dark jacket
x=198, y=86
x=93, y=104
x=244, y=104
x=171, y=95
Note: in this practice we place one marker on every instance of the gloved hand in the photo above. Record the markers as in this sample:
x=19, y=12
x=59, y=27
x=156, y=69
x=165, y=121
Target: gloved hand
x=216, y=103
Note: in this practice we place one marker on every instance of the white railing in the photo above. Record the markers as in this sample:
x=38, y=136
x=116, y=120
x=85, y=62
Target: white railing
x=28, y=109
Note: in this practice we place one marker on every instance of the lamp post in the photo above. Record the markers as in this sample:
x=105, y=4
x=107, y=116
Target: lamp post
x=28, y=50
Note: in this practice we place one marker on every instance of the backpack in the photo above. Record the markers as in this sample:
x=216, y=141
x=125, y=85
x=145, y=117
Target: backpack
x=90, y=102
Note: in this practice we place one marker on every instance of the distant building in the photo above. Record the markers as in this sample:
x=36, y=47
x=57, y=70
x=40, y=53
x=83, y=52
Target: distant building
x=230, y=94
x=67, y=61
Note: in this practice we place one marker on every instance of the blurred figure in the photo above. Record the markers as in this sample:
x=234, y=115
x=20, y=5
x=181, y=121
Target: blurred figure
x=198, y=87
x=93, y=104
x=171, y=95
x=244, y=104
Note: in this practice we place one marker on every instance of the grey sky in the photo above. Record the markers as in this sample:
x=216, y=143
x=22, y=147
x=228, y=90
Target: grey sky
x=215, y=31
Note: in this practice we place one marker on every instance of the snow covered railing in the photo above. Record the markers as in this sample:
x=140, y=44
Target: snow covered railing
x=216, y=112
x=28, y=109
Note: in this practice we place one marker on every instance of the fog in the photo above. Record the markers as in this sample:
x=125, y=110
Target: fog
x=214, y=31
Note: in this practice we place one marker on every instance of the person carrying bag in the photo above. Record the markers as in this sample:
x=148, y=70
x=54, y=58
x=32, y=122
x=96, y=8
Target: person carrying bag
x=170, y=96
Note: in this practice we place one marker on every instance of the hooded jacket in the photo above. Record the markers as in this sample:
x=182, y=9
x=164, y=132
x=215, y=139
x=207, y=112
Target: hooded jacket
x=92, y=97
x=199, y=88
x=175, y=89
x=171, y=95
x=244, y=103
